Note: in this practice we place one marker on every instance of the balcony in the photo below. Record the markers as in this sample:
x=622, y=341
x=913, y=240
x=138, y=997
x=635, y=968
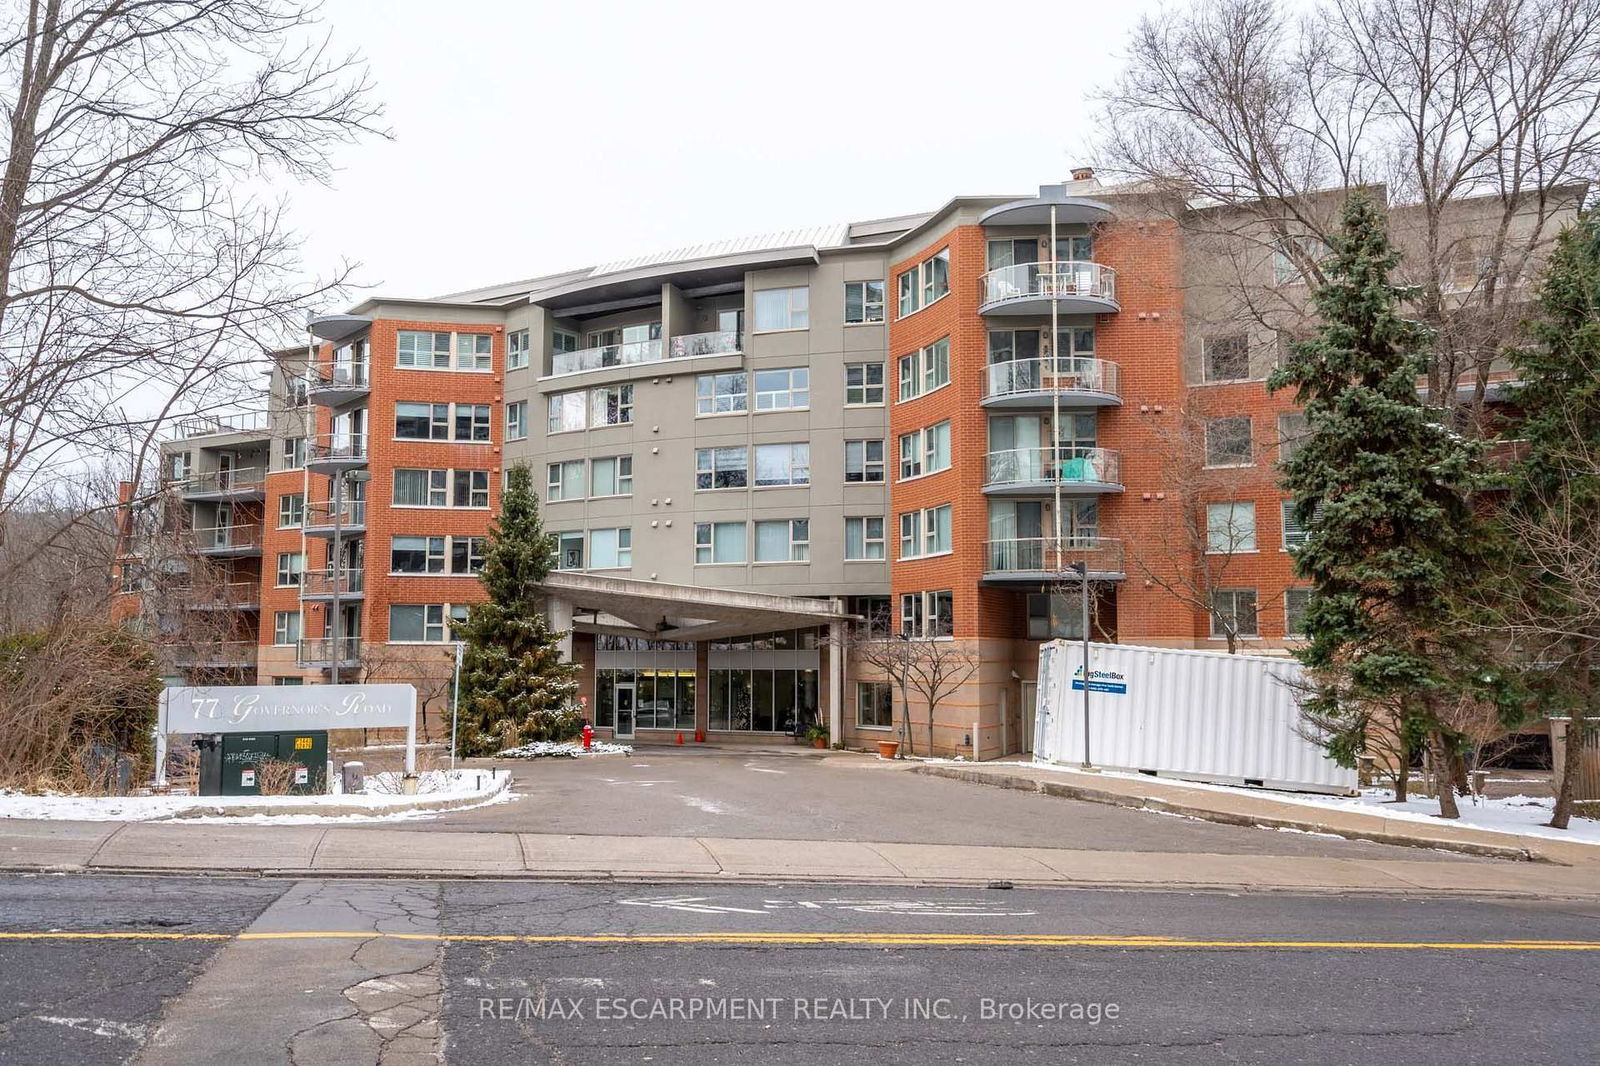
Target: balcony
x=321, y=585
x=214, y=655
x=1038, y=471
x=228, y=596
x=246, y=484
x=338, y=383
x=687, y=346
x=1075, y=287
x=320, y=515
x=188, y=427
x=1078, y=381
x=234, y=541
x=1045, y=560
x=318, y=652
x=718, y=342
x=330, y=453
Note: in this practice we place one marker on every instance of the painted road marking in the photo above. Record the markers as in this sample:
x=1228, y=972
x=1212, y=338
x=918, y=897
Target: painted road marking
x=955, y=908
x=693, y=904
x=974, y=940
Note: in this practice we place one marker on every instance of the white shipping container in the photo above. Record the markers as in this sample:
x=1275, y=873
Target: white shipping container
x=1197, y=715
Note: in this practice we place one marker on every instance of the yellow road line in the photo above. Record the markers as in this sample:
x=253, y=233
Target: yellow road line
x=876, y=939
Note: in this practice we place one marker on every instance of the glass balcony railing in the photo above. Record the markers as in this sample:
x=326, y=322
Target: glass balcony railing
x=1074, y=374
x=232, y=538
x=320, y=514
x=321, y=584
x=319, y=651
x=337, y=449
x=719, y=342
x=247, y=481
x=1059, y=281
x=1021, y=467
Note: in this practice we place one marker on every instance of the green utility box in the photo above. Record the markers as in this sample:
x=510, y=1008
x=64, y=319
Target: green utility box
x=235, y=768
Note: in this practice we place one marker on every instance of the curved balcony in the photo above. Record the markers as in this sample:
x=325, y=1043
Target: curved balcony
x=318, y=652
x=320, y=515
x=223, y=596
x=1079, y=381
x=1076, y=287
x=1037, y=472
x=329, y=453
x=338, y=383
x=1045, y=560
x=321, y=585
x=239, y=484
x=227, y=541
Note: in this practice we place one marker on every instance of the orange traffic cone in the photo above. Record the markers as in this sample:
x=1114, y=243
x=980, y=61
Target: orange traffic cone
x=680, y=740
x=699, y=736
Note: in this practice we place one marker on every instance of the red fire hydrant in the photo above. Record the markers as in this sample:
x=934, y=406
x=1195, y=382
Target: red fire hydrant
x=588, y=736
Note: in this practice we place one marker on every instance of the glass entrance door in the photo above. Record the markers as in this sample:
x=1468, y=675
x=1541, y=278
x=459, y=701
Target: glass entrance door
x=625, y=710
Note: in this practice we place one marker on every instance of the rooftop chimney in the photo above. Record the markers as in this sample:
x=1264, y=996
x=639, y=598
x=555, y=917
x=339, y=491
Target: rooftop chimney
x=1082, y=173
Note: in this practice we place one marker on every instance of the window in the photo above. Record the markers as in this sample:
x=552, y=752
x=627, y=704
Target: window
x=721, y=394
x=1228, y=441
x=471, y=488
x=461, y=422
x=569, y=551
x=297, y=392
x=925, y=451
x=423, y=351
x=416, y=555
x=863, y=537
x=863, y=461
x=719, y=542
x=1055, y=616
x=466, y=555
x=424, y=623
x=517, y=420
x=1226, y=358
x=565, y=481
x=441, y=488
x=474, y=351
x=927, y=614
x=517, y=349
x=721, y=468
x=925, y=532
x=783, y=464
x=610, y=549
x=290, y=567
x=1290, y=252
x=924, y=283
x=874, y=705
x=1293, y=429
x=562, y=341
x=288, y=681
x=1295, y=602
x=568, y=411
x=1235, y=609
x=780, y=309
x=1295, y=535
x=924, y=370
x=611, y=476
x=291, y=511
x=285, y=627
x=877, y=618
x=783, y=390
x=863, y=302
x=783, y=541
x=612, y=405
x=863, y=384
x=294, y=453
x=1230, y=527
x=472, y=422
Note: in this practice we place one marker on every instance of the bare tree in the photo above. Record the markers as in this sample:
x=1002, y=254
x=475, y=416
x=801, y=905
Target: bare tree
x=138, y=269
x=885, y=652
x=936, y=668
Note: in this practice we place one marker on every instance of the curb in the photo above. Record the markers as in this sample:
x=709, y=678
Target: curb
x=1064, y=790
x=331, y=810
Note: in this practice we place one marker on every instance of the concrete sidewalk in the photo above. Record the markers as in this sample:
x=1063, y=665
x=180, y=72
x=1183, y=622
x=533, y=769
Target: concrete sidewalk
x=316, y=851
x=1267, y=811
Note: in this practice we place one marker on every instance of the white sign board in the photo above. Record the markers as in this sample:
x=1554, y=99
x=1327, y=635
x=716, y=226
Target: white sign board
x=285, y=708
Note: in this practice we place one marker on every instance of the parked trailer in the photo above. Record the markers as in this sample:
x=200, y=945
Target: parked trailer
x=1195, y=715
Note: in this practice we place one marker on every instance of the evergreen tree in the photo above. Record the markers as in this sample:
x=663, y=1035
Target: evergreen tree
x=1382, y=486
x=515, y=687
x=1554, y=512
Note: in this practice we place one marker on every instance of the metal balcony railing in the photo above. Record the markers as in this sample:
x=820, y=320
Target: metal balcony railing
x=237, y=482
x=336, y=448
x=319, y=515
x=187, y=426
x=318, y=651
x=222, y=653
x=1059, y=280
x=322, y=584
x=1069, y=374
x=226, y=538
x=1045, y=466
x=229, y=595
x=1046, y=555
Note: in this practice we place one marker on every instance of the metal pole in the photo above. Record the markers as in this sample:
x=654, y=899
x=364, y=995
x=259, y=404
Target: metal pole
x=1055, y=391
x=455, y=705
x=1084, y=584
x=334, y=551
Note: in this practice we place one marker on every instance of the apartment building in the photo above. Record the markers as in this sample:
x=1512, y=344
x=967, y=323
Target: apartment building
x=746, y=451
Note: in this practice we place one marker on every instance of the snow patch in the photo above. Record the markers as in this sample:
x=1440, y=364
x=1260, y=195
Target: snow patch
x=566, y=749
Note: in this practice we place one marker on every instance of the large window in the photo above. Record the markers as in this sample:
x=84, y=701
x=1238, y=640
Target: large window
x=609, y=405
x=474, y=351
x=1293, y=429
x=1295, y=535
x=1228, y=441
x=285, y=627
x=517, y=349
x=423, y=350
x=781, y=309
x=611, y=476
x=863, y=302
x=1230, y=527
x=721, y=394
x=424, y=623
x=721, y=468
x=927, y=614
x=1236, y=610
x=924, y=370
x=925, y=451
x=924, y=283
x=1226, y=358
x=761, y=700
x=460, y=422
x=291, y=510
x=874, y=705
x=925, y=532
x=1055, y=616
x=290, y=567
x=783, y=390
x=517, y=420
x=441, y=488
x=568, y=411
x=1295, y=602
x=564, y=481
x=877, y=618
x=783, y=464
x=785, y=540
x=458, y=556
x=719, y=542
x=863, y=537
x=569, y=550
x=863, y=384
x=863, y=461
x=610, y=549
x=294, y=453
x=664, y=688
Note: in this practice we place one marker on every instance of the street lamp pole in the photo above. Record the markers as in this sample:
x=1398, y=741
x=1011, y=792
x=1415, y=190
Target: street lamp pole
x=455, y=704
x=1082, y=570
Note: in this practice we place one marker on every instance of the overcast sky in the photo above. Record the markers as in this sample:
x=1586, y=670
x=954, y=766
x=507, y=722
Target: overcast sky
x=533, y=137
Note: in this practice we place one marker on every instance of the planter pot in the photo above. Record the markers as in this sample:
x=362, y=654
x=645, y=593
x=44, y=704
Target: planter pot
x=888, y=749
x=819, y=742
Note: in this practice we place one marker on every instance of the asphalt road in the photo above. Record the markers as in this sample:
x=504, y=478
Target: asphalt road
x=688, y=792
x=403, y=972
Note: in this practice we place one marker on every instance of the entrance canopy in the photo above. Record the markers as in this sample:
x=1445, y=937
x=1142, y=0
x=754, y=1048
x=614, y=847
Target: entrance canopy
x=625, y=607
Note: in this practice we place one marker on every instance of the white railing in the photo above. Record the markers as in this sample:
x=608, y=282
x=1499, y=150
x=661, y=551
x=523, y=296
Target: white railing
x=319, y=514
x=1067, y=374
x=1084, y=466
x=337, y=445
x=719, y=342
x=224, y=538
x=1057, y=280
x=1032, y=555
x=340, y=375
x=325, y=583
x=219, y=482
x=318, y=651
x=606, y=355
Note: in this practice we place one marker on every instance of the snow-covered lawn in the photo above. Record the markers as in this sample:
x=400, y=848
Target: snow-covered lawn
x=1509, y=814
x=382, y=800
x=566, y=749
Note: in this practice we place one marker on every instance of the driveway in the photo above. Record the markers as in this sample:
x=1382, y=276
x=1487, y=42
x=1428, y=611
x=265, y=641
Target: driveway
x=799, y=795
